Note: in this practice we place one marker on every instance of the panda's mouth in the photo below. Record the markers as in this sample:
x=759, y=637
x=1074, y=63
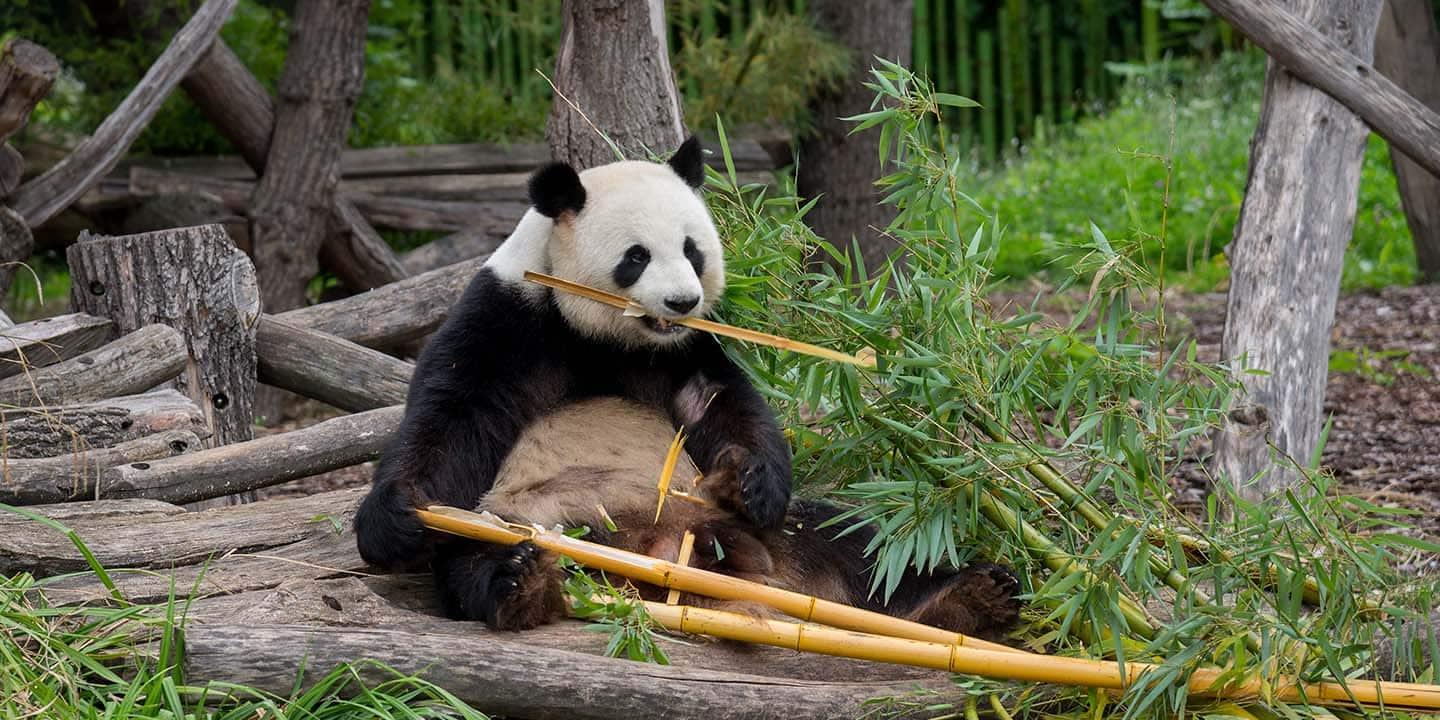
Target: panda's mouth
x=661, y=326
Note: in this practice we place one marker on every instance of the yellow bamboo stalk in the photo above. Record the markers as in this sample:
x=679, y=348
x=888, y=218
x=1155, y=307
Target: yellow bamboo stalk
x=861, y=359
x=669, y=575
x=1026, y=667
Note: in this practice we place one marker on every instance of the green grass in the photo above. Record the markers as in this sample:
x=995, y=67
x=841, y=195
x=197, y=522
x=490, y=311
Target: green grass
x=1105, y=170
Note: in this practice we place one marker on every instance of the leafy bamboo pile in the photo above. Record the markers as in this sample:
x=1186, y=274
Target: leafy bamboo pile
x=1001, y=433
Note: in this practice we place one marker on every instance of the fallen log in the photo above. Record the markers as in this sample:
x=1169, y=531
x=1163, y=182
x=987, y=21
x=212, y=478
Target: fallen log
x=49, y=432
x=465, y=245
x=393, y=315
x=16, y=244
x=41, y=198
x=133, y=364
x=76, y=477
x=47, y=341
x=327, y=368
x=117, y=540
x=461, y=159
x=270, y=460
x=1405, y=122
x=516, y=679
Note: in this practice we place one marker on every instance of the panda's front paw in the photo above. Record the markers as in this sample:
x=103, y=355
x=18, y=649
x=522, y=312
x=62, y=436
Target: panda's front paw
x=387, y=531
x=757, y=486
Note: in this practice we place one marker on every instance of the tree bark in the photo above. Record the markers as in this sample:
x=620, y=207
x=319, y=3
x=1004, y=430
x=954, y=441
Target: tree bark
x=39, y=199
x=614, y=66
x=1407, y=50
x=133, y=364
x=16, y=243
x=835, y=165
x=1343, y=71
x=292, y=209
x=1296, y=219
x=55, y=431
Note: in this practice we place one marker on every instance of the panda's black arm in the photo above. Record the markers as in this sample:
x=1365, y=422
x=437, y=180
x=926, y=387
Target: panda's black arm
x=477, y=385
x=733, y=436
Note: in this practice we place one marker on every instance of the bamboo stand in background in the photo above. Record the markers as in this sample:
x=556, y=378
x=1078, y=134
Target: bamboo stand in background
x=866, y=635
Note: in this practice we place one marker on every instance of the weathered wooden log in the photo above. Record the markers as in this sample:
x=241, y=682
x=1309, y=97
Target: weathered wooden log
x=53, y=431
x=1407, y=50
x=27, y=71
x=513, y=679
x=77, y=477
x=16, y=244
x=47, y=341
x=133, y=364
x=270, y=460
x=329, y=369
x=119, y=540
x=39, y=199
x=191, y=279
x=1340, y=69
x=356, y=253
x=1298, y=214
x=464, y=245
x=391, y=316
x=470, y=159
x=402, y=213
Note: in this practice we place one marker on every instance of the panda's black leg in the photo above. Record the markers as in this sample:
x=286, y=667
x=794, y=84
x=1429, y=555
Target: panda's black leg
x=508, y=587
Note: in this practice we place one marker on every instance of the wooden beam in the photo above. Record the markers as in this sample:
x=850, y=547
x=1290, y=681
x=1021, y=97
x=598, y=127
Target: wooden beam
x=393, y=315
x=451, y=249
x=270, y=460
x=16, y=244
x=77, y=476
x=133, y=364
x=1345, y=73
x=65, y=429
x=512, y=678
x=41, y=198
x=1286, y=260
x=329, y=369
x=46, y=341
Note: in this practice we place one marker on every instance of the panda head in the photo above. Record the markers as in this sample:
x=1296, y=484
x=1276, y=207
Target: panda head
x=637, y=229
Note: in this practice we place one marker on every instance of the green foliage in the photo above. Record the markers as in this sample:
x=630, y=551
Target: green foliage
x=1105, y=170
x=783, y=61
x=1377, y=366
x=995, y=432
x=617, y=611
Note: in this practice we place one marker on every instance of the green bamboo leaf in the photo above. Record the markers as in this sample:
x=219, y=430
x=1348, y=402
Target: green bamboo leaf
x=952, y=100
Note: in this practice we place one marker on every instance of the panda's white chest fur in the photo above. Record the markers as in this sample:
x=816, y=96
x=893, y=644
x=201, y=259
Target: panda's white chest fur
x=604, y=451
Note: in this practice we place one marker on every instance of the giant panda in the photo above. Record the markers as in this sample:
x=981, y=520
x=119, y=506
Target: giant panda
x=549, y=408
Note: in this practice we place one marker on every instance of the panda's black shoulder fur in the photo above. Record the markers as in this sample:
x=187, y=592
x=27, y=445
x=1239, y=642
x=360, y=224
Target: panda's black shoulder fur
x=505, y=357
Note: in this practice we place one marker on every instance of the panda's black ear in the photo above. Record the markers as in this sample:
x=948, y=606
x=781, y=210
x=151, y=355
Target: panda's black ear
x=556, y=188
x=689, y=163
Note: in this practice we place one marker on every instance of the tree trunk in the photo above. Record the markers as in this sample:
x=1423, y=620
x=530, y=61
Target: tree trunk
x=1297, y=217
x=614, y=66
x=294, y=199
x=195, y=281
x=26, y=73
x=840, y=167
x=1407, y=50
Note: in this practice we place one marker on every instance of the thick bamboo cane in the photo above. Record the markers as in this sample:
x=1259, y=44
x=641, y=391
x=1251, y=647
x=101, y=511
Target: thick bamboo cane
x=1027, y=667
x=665, y=574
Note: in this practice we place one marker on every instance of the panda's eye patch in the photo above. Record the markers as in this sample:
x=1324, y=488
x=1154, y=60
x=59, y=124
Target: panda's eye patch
x=628, y=271
x=693, y=254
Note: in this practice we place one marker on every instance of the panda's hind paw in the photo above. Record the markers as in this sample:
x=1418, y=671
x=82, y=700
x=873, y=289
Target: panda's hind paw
x=510, y=588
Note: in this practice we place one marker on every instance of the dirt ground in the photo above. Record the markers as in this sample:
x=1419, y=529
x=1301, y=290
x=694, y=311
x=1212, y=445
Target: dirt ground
x=1385, y=443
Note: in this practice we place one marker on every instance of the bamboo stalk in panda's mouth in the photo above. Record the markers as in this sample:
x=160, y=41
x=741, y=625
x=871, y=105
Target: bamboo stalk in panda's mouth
x=862, y=359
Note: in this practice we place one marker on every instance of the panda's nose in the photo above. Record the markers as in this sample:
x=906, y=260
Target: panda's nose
x=682, y=305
